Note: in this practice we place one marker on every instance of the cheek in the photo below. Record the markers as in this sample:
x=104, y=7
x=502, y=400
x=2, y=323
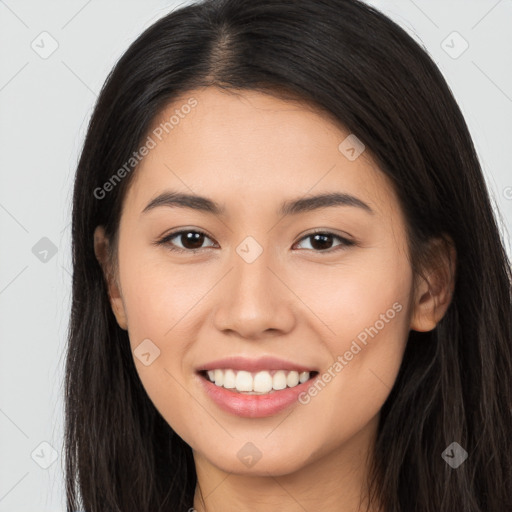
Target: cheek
x=159, y=296
x=364, y=313
x=356, y=293
x=350, y=392
x=157, y=299
x=162, y=301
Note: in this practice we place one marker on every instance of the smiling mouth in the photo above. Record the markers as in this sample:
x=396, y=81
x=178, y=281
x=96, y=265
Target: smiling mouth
x=256, y=383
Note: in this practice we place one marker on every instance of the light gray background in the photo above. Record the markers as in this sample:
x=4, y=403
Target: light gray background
x=45, y=105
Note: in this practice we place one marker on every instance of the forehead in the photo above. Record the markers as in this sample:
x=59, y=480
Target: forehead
x=256, y=148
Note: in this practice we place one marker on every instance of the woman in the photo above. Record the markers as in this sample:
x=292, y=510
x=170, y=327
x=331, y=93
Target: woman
x=289, y=289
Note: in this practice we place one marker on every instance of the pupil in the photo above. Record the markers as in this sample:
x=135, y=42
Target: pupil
x=322, y=245
x=193, y=239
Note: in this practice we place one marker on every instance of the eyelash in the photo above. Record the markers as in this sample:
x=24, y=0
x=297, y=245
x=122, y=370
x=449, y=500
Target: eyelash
x=167, y=238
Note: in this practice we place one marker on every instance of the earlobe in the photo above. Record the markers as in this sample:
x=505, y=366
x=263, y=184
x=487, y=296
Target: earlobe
x=101, y=250
x=434, y=291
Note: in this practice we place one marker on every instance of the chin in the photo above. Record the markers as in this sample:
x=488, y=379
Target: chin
x=272, y=462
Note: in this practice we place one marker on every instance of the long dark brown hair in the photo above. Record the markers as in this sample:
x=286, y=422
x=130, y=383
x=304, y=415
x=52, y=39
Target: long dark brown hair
x=455, y=382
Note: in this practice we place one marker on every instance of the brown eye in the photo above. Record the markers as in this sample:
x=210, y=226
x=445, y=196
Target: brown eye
x=191, y=240
x=323, y=241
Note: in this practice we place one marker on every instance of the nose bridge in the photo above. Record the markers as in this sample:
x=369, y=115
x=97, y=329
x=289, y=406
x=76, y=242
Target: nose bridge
x=251, y=275
x=251, y=268
x=253, y=299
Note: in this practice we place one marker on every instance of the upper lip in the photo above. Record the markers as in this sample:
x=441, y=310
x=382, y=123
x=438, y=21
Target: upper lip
x=254, y=365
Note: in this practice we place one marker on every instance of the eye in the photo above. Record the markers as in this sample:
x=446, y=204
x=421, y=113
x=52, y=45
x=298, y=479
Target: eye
x=191, y=240
x=322, y=241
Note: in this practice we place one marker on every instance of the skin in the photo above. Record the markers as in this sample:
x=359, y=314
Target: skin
x=249, y=152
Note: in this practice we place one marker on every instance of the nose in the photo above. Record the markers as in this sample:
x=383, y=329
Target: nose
x=254, y=300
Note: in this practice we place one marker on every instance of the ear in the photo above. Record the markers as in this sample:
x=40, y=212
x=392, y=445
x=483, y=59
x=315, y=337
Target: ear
x=101, y=250
x=434, y=289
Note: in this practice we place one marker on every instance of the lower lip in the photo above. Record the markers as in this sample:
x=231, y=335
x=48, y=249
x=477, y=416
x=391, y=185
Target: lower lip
x=254, y=406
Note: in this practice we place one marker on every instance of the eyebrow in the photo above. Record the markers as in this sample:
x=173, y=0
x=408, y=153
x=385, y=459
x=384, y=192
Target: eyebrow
x=289, y=207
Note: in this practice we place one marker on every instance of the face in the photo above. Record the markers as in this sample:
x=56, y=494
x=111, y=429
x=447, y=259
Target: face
x=320, y=286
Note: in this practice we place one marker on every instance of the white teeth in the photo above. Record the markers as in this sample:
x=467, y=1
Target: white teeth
x=219, y=377
x=303, y=377
x=229, y=379
x=258, y=383
x=262, y=382
x=292, y=380
x=243, y=381
x=279, y=380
